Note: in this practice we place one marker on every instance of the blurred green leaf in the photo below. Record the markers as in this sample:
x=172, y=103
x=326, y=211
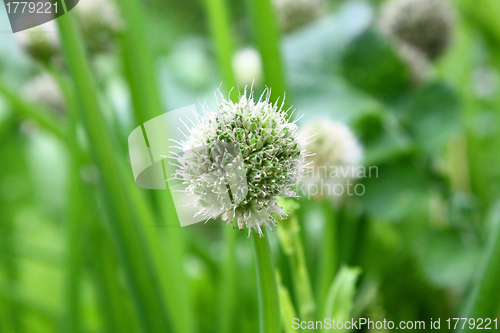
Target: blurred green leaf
x=397, y=190
x=371, y=64
x=448, y=258
x=432, y=115
x=340, y=299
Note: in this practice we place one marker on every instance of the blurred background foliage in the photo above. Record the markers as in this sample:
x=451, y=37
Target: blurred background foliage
x=418, y=234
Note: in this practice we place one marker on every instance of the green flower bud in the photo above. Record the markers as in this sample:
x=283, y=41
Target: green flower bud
x=423, y=24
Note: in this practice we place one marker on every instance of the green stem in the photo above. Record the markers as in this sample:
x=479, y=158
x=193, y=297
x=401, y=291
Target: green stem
x=220, y=30
x=484, y=299
x=269, y=307
x=227, y=284
x=328, y=256
x=139, y=64
x=115, y=309
x=268, y=42
x=74, y=258
x=139, y=68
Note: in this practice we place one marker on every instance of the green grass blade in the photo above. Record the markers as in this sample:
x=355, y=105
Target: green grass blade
x=340, y=299
x=139, y=68
x=139, y=64
x=291, y=242
x=328, y=261
x=484, y=300
x=268, y=42
x=219, y=23
x=134, y=252
x=288, y=312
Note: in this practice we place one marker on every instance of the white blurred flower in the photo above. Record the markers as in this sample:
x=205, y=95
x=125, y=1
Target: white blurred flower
x=40, y=42
x=100, y=22
x=296, y=13
x=423, y=24
x=252, y=146
x=485, y=82
x=336, y=156
x=45, y=91
x=247, y=67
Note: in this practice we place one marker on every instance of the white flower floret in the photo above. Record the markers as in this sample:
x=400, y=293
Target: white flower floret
x=45, y=91
x=335, y=156
x=247, y=67
x=100, y=22
x=40, y=42
x=248, y=149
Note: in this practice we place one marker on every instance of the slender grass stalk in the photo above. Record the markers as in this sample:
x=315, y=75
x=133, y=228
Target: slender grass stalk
x=328, y=261
x=10, y=148
x=139, y=68
x=76, y=215
x=117, y=314
x=484, y=300
x=269, y=306
x=227, y=284
x=291, y=242
x=268, y=42
x=135, y=254
x=139, y=64
x=77, y=212
x=166, y=242
x=288, y=312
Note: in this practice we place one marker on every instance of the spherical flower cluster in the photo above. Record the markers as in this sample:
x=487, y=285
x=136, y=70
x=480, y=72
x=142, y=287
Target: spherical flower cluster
x=238, y=158
x=423, y=24
x=335, y=155
x=44, y=90
x=296, y=13
x=40, y=42
x=100, y=22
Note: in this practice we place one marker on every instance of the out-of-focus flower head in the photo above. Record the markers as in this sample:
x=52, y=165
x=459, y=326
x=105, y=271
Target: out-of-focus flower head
x=40, y=42
x=250, y=148
x=425, y=25
x=45, y=91
x=247, y=67
x=335, y=156
x=296, y=13
x=100, y=22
